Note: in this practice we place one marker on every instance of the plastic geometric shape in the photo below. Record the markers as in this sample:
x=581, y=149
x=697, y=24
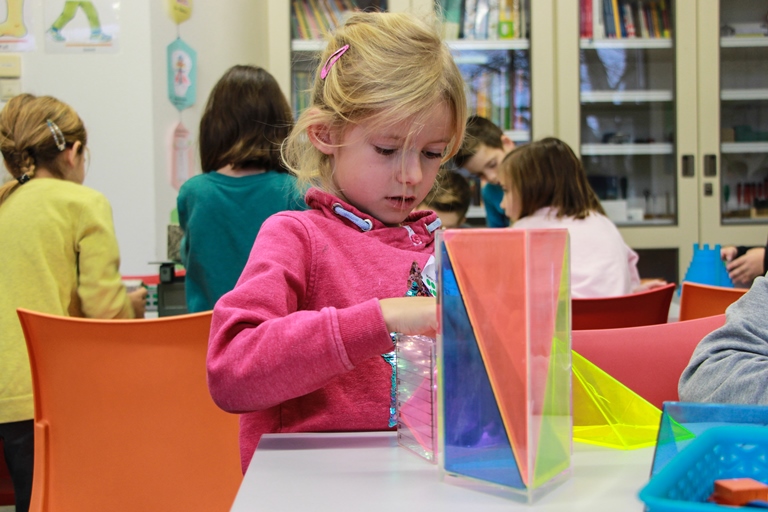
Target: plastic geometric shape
x=504, y=355
x=724, y=452
x=645, y=308
x=607, y=413
x=648, y=359
x=124, y=420
x=700, y=300
x=417, y=395
x=707, y=267
x=681, y=422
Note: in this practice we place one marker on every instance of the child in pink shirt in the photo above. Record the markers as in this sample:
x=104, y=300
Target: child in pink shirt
x=545, y=186
x=299, y=344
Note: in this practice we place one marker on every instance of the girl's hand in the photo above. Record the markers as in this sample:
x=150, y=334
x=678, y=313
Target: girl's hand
x=745, y=268
x=410, y=315
x=649, y=284
x=728, y=253
x=138, y=300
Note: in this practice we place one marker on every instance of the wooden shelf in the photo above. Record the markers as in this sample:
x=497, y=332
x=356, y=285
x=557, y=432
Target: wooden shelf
x=637, y=43
x=744, y=147
x=489, y=44
x=627, y=149
x=626, y=96
x=743, y=94
x=743, y=42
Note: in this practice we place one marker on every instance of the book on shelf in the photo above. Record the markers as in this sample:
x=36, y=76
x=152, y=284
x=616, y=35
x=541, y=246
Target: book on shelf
x=624, y=19
x=488, y=19
x=317, y=18
x=451, y=11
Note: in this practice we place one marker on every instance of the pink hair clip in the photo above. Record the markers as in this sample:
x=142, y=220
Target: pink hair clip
x=332, y=60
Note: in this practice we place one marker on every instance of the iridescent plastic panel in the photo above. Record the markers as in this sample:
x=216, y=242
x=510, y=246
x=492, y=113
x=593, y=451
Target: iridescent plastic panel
x=504, y=356
x=417, y=396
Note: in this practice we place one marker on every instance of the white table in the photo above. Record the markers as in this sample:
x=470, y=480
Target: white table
x=369, y=472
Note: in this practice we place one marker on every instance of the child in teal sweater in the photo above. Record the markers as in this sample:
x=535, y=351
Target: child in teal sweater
x=243, y=182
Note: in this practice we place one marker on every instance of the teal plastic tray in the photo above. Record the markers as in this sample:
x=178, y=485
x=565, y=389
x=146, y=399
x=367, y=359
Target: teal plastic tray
x=686, y=482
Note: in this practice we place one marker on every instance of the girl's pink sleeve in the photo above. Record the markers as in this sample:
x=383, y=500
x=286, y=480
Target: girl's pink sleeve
x=264, y=348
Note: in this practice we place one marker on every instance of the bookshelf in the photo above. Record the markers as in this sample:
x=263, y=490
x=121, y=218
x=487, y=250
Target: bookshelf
x=673, y=123
x=496, y=66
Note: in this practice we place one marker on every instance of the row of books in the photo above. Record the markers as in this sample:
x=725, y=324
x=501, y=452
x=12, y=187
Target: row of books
x=501, y=96
x=313, y=19
x=485, y=19
x=625, y=19
x=491, y=93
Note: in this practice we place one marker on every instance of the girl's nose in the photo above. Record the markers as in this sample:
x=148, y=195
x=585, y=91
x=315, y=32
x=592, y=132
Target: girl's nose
x=411, y=172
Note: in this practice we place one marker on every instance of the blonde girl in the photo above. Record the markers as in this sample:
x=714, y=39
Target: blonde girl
x=303, y=341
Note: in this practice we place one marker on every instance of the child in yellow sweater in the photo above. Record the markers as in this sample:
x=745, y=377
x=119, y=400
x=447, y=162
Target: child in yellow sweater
x=59, y=255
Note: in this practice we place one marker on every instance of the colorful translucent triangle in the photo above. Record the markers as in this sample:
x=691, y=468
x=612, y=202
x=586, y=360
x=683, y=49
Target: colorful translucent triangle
x=607, y=413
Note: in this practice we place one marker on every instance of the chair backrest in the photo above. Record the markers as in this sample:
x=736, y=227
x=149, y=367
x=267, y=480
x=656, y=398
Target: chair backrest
x=644, y=308
x=700, y=300
x=124, y=419
x=648, y=359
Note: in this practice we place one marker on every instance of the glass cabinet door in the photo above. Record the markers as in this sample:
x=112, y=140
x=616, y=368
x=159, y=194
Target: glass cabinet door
x=627, y=96
x=634, y=120
x=733, y=50
x=492, y=51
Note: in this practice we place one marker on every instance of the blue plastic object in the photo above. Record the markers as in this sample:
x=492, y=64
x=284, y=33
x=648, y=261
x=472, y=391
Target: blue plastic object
x=707, y=267
x=681, y=422
x=686, y=483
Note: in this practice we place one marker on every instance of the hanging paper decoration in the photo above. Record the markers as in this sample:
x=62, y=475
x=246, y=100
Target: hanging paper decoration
x=179, y=10
x=182, y=74
x=182, y=156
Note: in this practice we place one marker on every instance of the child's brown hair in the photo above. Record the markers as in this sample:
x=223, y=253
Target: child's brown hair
x=548, y=173
x=450, y=193
x=246, y=119
x=480, y=131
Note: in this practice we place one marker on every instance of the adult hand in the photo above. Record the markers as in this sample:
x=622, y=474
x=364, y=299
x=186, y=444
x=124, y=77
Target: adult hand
x=745, y=268
x=649, y=284
x=410, y=315
x=138, y=300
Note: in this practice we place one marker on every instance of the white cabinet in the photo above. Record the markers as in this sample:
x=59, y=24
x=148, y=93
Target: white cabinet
x=648, y=116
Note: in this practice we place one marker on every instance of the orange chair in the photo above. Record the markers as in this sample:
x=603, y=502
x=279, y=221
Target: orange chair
x=647, y=359
x=644, y=308
x=700, y=300
x=123, y=417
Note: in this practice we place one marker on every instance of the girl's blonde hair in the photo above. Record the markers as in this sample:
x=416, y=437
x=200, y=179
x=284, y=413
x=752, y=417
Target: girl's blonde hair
x=395, y=69
x=32, y=131
x=548, y=173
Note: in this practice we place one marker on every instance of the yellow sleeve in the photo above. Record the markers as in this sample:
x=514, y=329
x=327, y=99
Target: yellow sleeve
x=100, y=287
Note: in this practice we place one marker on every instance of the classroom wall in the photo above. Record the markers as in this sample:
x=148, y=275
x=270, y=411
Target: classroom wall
x=222, y=38
x=123, y=101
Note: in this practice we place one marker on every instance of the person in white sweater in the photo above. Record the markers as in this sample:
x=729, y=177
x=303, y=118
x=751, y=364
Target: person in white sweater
x=545, y=186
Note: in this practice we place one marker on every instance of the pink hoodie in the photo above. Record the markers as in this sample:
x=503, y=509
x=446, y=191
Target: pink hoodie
x=296, y=346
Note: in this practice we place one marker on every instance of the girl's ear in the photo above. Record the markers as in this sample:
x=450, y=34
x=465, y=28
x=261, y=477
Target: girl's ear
x=72, y=153
x=320, y=136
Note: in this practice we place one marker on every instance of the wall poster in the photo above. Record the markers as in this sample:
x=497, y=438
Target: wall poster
x=15, y=30
x=89, y=26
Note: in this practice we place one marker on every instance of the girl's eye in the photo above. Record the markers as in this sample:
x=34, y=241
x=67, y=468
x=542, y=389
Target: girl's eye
x=384, y=151
x=433, y=155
